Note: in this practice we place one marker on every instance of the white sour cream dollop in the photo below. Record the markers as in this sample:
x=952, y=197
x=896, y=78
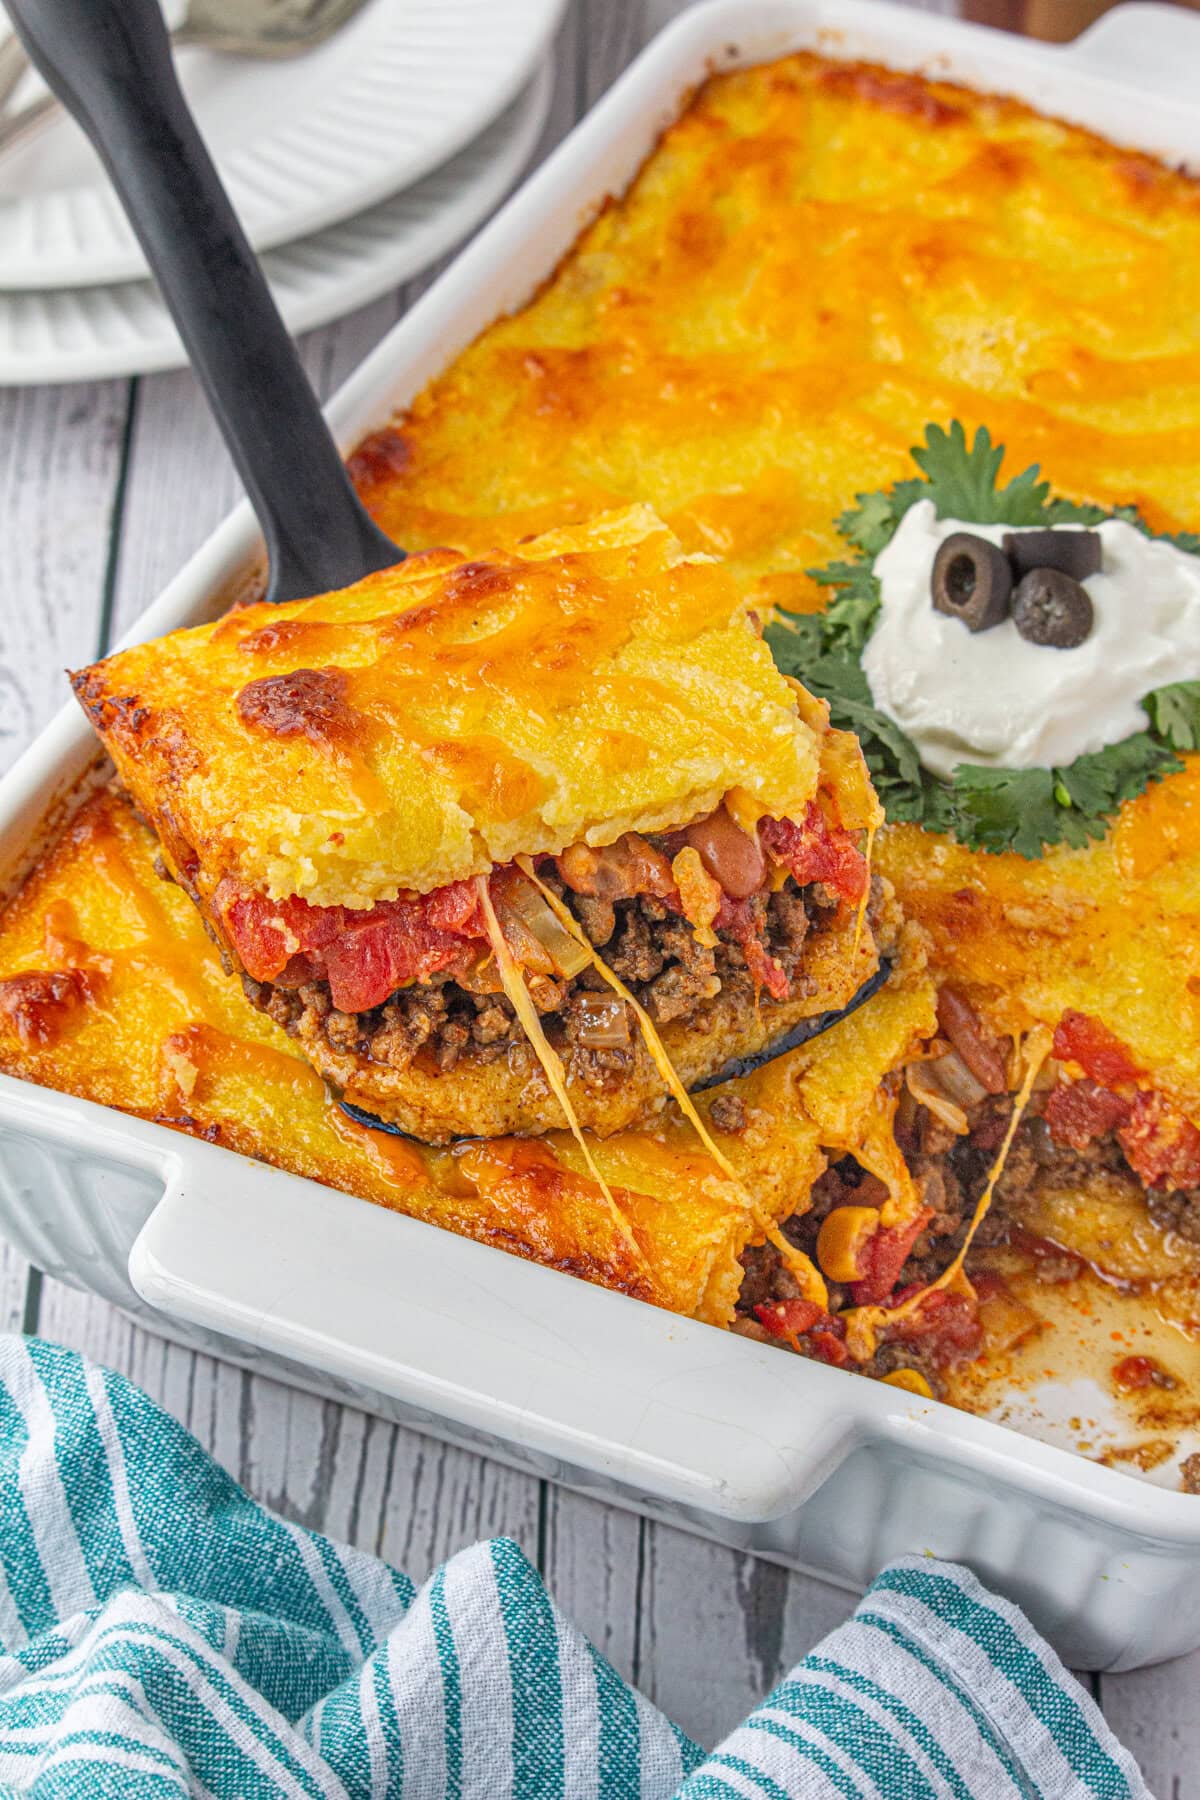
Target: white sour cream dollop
x=992, y=697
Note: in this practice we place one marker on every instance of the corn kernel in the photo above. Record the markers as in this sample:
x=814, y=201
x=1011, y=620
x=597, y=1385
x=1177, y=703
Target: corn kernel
x=841, y=1239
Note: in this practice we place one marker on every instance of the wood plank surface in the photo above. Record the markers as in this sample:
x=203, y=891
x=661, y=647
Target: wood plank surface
x=105, y=489
x=1156, y=1714
x=61, y=455
x=181, y=482
x=718, y=1629
x=62, y=451
x=14, y=1282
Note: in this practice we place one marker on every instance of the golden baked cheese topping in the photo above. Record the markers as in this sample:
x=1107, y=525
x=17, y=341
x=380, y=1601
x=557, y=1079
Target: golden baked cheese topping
x=445, y=716
x=818, y=258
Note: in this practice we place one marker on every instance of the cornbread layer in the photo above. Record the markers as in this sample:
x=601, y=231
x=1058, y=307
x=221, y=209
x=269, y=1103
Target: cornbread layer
x=109, y=988
x=444, y=716
x=818, y=259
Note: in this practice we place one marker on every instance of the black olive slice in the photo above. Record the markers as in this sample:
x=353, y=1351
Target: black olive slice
x=1075, y=553
x=1051, y=608
x=971, y=581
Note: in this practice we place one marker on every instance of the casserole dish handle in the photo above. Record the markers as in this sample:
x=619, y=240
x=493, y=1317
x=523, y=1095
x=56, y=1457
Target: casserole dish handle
x=513, y=1358
x=1147, y=45
x=590, y=1387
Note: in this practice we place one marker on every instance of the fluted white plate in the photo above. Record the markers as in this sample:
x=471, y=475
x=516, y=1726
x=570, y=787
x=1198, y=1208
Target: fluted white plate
x=300, y=144
x=83, y=334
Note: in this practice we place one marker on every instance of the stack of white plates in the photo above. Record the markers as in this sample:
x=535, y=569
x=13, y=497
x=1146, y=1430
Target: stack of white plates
x=352, y=167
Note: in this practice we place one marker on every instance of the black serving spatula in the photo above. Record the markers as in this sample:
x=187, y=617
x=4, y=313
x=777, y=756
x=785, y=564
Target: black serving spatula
x=109, y=62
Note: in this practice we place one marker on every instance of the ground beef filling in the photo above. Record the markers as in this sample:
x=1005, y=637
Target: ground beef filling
x=653, y=950
x=951, y=1172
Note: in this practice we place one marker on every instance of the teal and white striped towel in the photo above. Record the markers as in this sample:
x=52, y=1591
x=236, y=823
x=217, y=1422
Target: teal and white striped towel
x=164, y=1635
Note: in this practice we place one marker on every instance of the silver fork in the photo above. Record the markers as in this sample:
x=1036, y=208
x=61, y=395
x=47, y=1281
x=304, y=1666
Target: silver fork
x=268, y=28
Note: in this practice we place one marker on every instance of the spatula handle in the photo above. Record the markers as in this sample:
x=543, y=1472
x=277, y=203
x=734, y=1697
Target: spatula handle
x=109, y=61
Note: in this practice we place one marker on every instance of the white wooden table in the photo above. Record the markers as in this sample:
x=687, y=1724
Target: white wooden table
x=105, y=488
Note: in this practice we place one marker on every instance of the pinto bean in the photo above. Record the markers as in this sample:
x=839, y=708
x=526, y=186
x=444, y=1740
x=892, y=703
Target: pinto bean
x=732, y=857
x=958, y=1021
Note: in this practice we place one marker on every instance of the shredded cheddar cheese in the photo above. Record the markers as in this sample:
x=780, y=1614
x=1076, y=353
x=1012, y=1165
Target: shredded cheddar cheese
x=518, y=996
x=801, y=1267
x=861, y=916
x=700, y=894
x=873, y=1145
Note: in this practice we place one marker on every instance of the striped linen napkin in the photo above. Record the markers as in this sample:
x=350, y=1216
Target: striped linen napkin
x=164, y=1635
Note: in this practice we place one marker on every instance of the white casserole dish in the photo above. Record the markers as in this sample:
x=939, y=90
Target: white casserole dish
x=768, y=1452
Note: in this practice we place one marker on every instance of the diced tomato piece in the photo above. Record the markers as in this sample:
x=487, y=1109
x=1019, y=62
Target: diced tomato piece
x=364, y=956
x=765, y=971
x=394, y=944
x=261, y=942
x=737, y=921
x=1135, y=1372
x=1084, y=1040
x=266, y=933
x=455, y=907
x=1161, y=1146
x=828, y=1348
x=370, y=961
x=364, y=967
x=1078, y=1111
x=883, y=1256
x=788, y=1318
x=947, y=1322
x=816, y=851
x=823, y=1335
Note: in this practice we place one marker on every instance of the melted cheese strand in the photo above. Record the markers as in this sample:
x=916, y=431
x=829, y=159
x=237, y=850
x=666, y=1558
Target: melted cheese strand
x=518, y=995
x=804, y=1270
x=860, y=920
x=1037, y=1049
x=864, y=1321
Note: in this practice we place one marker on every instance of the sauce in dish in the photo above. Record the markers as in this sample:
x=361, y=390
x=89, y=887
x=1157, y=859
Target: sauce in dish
x=997, y=699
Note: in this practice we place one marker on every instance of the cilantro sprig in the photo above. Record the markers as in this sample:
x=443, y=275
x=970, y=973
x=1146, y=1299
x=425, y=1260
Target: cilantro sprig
x=989, y=809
